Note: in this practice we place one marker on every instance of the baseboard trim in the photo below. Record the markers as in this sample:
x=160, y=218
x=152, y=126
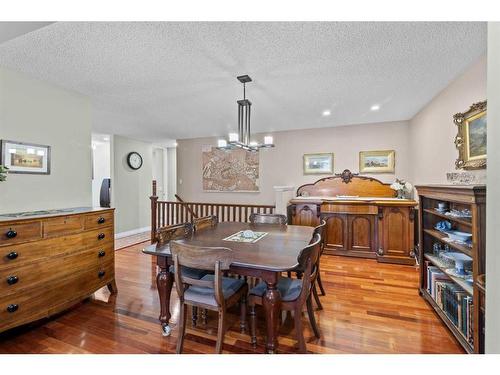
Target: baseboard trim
x=132, y=232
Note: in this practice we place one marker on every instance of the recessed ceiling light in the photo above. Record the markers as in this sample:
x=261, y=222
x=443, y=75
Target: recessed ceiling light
x=106, y=139
x=374, y=107
x=326, y=112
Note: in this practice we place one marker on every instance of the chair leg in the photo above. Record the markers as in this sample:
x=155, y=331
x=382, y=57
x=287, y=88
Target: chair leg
x=253, y=336
x=220, y=333
x=316, y=297
x=320, y=284
x=297, y=315
x=194, y=315
x=312, y=318
x=243, y=314
x=204, y=316
x=182, y=327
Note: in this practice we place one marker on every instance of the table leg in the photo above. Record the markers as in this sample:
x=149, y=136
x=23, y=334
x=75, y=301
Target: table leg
x=272, y=307
x=164, y=282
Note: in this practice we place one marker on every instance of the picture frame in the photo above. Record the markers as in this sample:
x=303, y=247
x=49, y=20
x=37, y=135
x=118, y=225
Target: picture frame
x=319, y=163
x=470, y=140
x=379, y=161
x=25, y=158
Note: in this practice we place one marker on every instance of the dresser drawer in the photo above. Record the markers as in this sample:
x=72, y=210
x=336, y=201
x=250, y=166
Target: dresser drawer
x=14, y=279
x=20, y=232
x=18, y=255
x=349, y=209
x=22, y=307
x=62, y=225
x=101, y=219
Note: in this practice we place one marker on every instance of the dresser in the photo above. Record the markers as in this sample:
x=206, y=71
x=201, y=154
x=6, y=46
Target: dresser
x=363, y=218
x=50, y=260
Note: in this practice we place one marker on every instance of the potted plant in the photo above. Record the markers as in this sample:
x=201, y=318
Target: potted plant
x=402, y=188
x=3, y=172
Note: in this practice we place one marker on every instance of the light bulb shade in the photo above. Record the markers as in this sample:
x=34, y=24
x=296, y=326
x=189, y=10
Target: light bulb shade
x=268, y=140
x=221, y=143
x=233, y=137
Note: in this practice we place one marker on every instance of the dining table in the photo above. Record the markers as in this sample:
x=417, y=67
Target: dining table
x=267, y=258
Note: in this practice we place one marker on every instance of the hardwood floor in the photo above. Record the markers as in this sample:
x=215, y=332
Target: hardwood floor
x=370, y=307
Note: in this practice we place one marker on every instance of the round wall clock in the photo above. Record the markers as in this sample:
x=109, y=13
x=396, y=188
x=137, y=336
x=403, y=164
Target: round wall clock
x=134, y=160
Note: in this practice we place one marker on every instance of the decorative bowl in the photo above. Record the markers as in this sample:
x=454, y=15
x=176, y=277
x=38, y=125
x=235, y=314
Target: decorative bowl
x=455, y=235
x=248, y=234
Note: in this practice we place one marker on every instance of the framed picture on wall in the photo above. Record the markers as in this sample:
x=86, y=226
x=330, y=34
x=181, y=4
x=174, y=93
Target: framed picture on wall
x=382, y=161
x=321, y=163
x=27, y=158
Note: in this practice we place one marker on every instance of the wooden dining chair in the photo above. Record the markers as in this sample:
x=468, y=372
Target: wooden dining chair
x=213, y=292
x=256, y=218
x=205, y=222
x=294, y=293
x=321, y=230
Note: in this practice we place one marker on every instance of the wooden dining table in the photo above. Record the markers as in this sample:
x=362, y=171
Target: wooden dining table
x=266, y=259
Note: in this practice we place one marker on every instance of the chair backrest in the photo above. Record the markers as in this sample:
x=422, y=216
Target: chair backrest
x=215, y=259
x=173, y=232
x=268, y=219
x=320, y=229
x=205, y=222
x=308, y=260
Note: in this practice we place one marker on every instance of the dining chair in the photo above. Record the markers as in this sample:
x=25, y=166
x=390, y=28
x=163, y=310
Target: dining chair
x=256, y=218
x=205, y=222
x=294, y=293
x=213, y=291
x=321, y=230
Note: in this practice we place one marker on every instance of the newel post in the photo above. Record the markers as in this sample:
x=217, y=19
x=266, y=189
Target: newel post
x=154, y=207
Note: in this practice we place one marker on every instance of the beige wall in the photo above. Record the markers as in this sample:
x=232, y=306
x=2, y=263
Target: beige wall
x=36, y=112
x=432, y=131
x=131, y=188
x=282, y=165
x=493, y=193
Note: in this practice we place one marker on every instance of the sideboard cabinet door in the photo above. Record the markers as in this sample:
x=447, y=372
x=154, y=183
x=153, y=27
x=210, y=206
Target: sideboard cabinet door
x=361, y=229
x=336, y=233
x=396, y=234
x=304, y=214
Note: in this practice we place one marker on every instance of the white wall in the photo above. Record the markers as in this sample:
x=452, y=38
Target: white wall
x=172, y=173
x=102, y=168
x=131, y=188
x=36, y=112
x=282, y=165
x=493, y=193
x=432, y=131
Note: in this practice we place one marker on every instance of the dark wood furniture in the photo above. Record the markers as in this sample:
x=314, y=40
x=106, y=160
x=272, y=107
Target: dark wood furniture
x=201, y=223
x=472, y=198
x=266, y=259
x=363, y=219
x=51, y=260
x=212, y=292
x=256, y=218
x=295, y=293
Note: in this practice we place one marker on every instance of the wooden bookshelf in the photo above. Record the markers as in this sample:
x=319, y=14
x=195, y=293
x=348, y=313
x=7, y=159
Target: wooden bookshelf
x=472, y=198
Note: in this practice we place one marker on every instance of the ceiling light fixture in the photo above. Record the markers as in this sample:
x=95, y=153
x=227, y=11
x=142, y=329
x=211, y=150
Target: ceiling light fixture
x=374, y=107
x=242, y=138
x=326, y=113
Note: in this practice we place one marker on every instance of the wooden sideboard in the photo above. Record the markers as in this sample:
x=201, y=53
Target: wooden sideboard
x=51, y=260
x=369, y=224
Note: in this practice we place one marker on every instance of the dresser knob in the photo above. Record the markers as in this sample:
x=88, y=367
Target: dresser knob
x=11, y=280
x=11, y=233
x=12, y=308
x=100, y=236
x=13, y=255
x=101, y=220
x=101, y=253
x=101, y=274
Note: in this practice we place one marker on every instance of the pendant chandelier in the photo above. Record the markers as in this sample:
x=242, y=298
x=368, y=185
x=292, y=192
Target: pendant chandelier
x=242, y=138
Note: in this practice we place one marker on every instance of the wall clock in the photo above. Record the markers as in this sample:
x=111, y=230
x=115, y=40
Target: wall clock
x=134, y=160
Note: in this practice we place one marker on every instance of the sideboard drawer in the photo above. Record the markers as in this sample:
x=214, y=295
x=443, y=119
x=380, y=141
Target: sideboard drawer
x=20, y=232
x=62, y=225
x=349, y=209
x=98, y=220
x=20, y=307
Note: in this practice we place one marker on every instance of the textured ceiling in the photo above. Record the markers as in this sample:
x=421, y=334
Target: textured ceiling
x=168, y=80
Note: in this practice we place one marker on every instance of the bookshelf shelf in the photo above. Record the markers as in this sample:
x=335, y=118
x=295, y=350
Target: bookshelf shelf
x=456, y=300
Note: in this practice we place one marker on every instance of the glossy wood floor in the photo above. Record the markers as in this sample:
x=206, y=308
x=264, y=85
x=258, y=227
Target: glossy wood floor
x=369, y=308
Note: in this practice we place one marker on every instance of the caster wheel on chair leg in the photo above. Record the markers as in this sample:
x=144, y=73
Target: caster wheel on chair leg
x=166, y=330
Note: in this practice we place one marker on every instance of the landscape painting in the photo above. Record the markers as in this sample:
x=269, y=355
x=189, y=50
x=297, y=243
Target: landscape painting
x=230, y=170
x=477, y=136
x=27, y=158
x=377, y=161
x=318, y=163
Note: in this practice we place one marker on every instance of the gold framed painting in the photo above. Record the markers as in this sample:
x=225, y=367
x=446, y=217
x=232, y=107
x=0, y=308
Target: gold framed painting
x=471, y=138
x=382, y=161
x=321, y=163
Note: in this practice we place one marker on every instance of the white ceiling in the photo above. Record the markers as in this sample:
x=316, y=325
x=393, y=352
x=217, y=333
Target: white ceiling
x=169, y=80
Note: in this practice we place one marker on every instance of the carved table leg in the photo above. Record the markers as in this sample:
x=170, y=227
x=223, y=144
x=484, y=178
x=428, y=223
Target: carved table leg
x=272, y=307
x=164, y=281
